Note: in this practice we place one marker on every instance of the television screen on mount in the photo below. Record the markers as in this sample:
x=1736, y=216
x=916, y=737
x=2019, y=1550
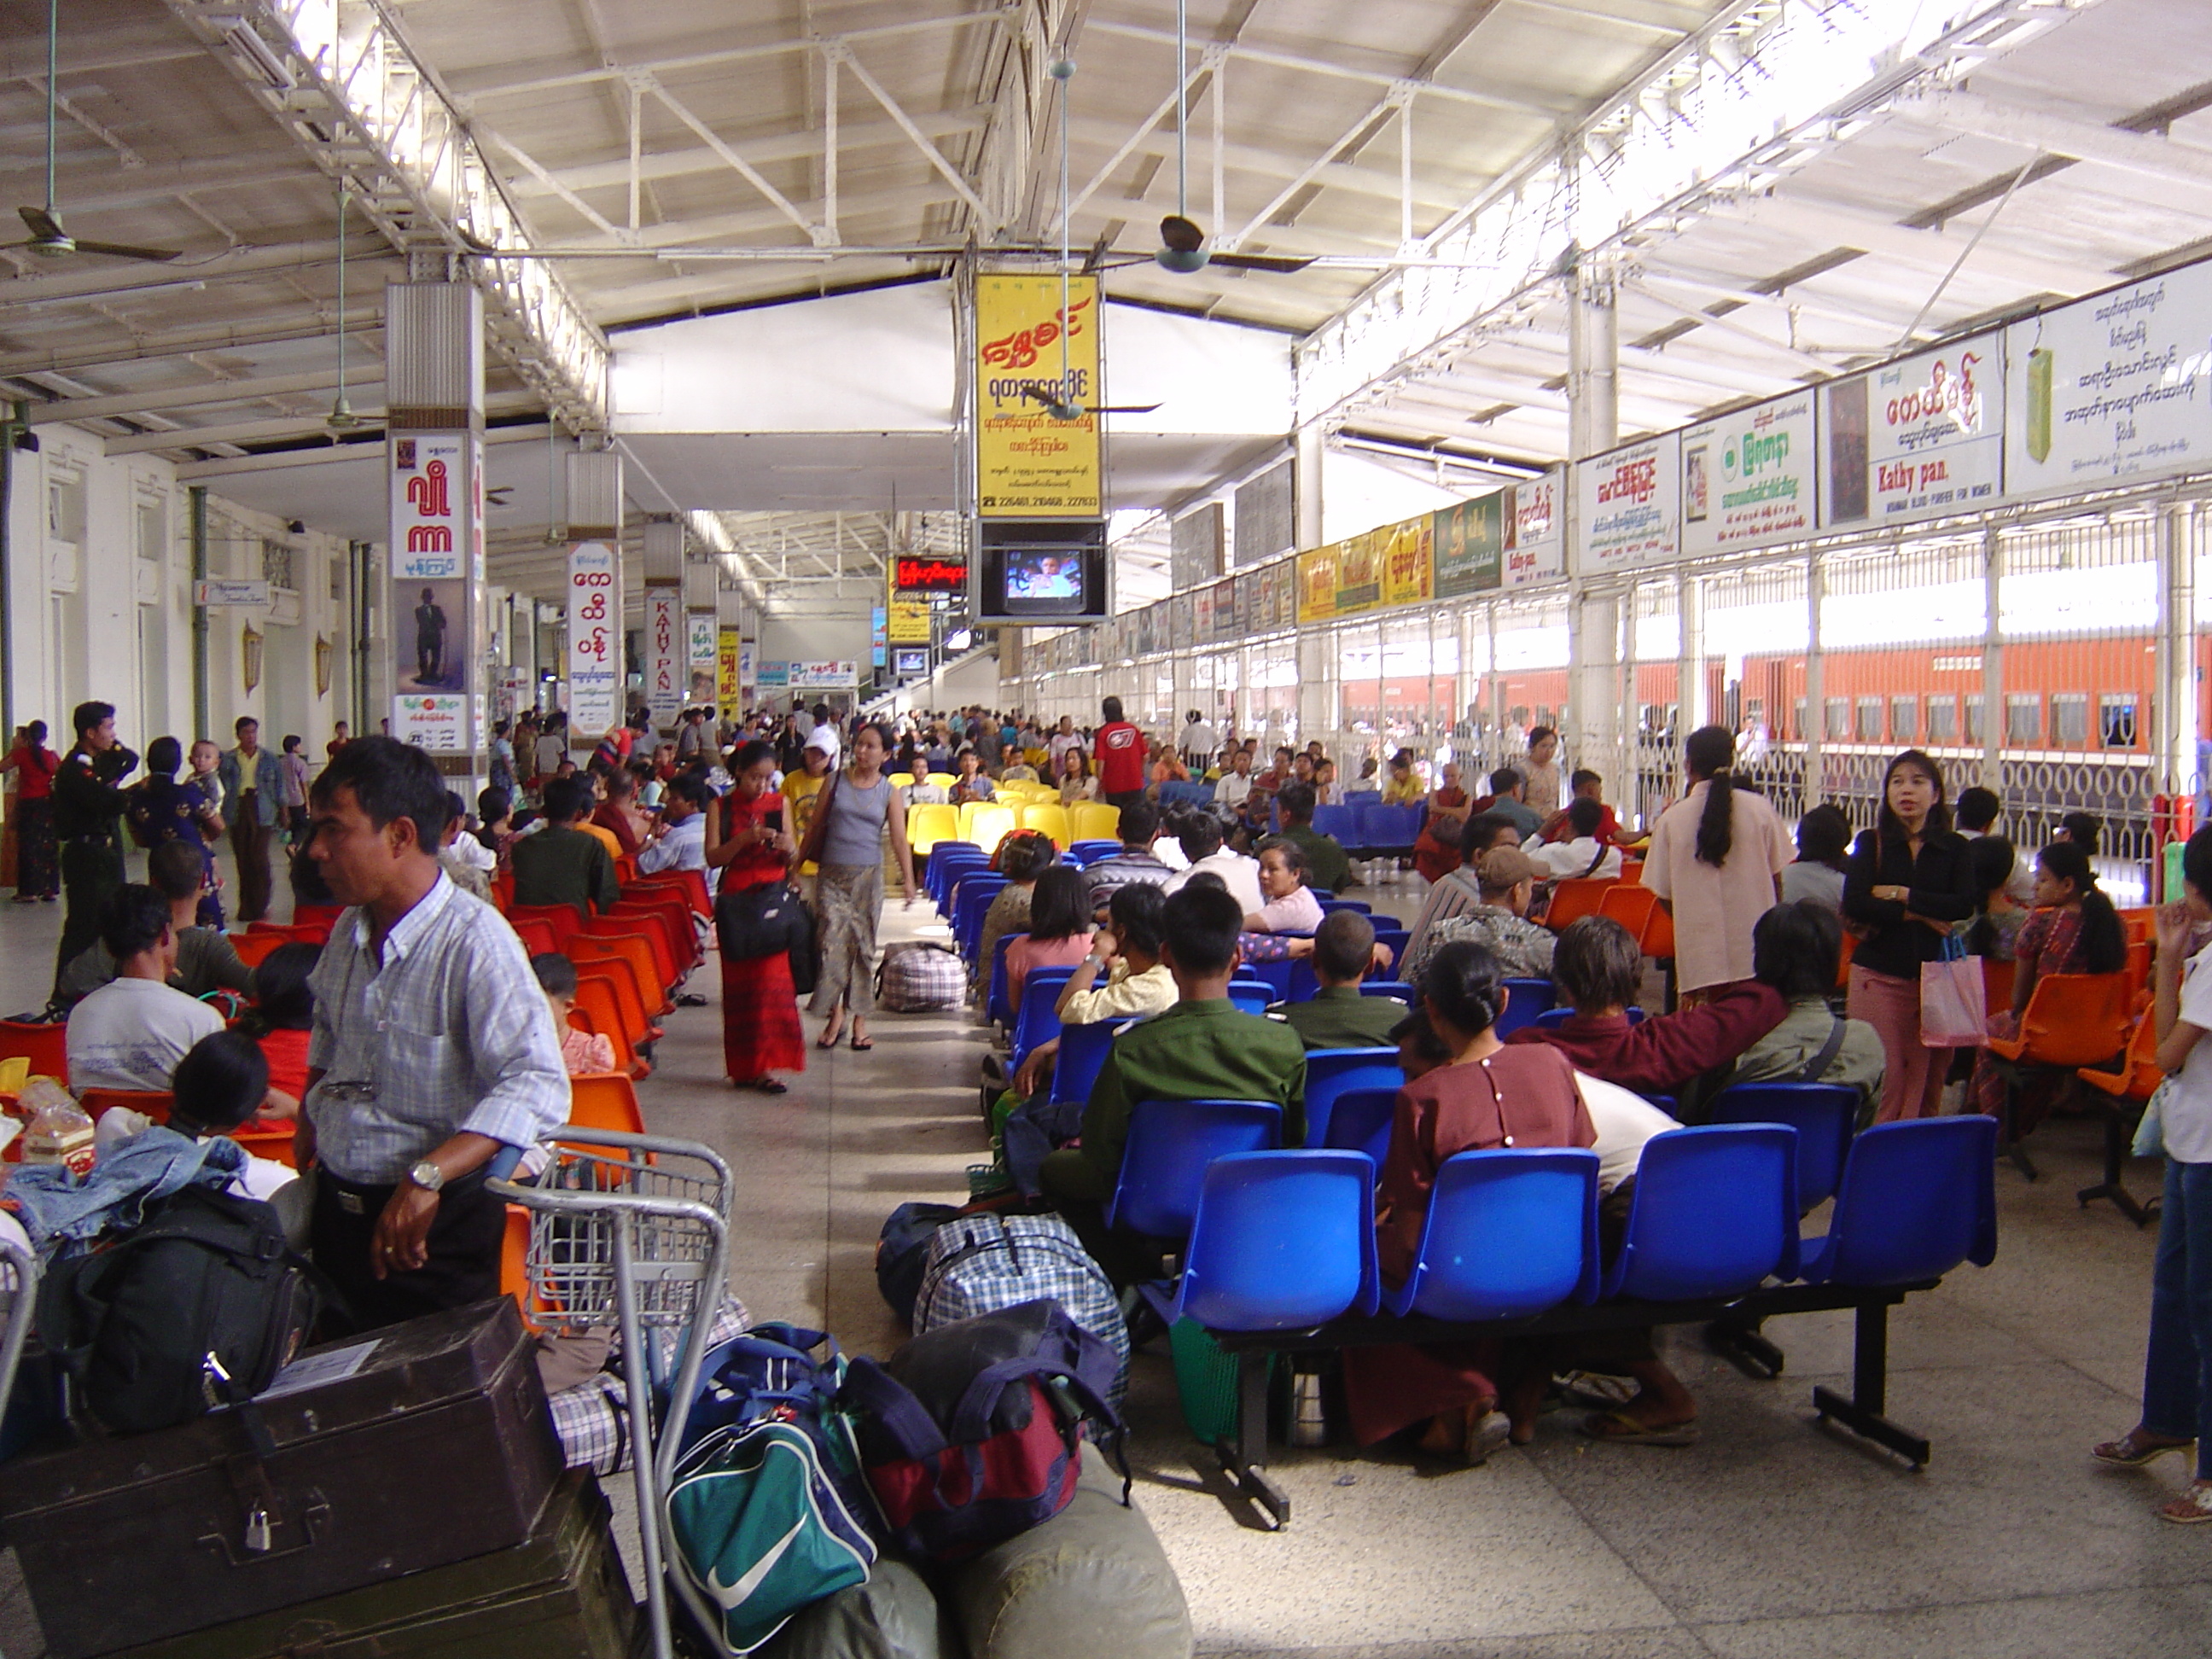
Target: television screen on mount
x=1044, y=572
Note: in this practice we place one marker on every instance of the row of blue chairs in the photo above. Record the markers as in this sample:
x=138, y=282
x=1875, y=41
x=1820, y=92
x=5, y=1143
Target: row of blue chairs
x=1281, y=1253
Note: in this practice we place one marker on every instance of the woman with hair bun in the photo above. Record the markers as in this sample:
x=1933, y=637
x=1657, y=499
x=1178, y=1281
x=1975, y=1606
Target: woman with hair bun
x=1716, y=861
x=1486, y=1096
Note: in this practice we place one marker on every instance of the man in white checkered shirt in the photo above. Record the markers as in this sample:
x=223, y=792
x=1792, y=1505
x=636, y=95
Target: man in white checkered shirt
x=433, y=1048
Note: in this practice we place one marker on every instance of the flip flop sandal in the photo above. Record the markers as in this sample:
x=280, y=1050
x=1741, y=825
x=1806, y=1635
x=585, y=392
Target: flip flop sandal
x=861, y=1045
x=1618, y=1428
x=764, y=1086
x=2191, y=1508
x=1601, y=1390
x=2133, y=1449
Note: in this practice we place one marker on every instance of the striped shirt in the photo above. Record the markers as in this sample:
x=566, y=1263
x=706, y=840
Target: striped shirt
x=450, y=1035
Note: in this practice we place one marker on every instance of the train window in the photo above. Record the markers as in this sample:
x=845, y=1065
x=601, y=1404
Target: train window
x=1904, y=719
x=2116, y=719
x=2070, y=720
x=1797, y=720
x=2023, y=717
x=1977, y=703
x=1942, y=719
x=1838, y=725
x=1870, y=720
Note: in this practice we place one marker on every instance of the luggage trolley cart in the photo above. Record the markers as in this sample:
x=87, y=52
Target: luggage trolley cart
x=632, y=1231
x=19, y=1292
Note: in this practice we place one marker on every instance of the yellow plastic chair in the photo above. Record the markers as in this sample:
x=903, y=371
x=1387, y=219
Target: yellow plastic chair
x=943, y=779
x=1050, y=820
x=930, y=822
x=1093, y=820
x=985, y=823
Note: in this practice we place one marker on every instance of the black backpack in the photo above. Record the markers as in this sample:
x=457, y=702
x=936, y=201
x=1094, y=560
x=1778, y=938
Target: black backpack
x=201, y=1305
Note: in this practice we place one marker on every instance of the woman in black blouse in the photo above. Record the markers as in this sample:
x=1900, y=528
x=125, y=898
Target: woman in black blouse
x=1908, y=880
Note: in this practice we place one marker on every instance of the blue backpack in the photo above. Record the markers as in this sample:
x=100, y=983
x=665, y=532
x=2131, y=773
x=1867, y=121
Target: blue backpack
x=767, y=1510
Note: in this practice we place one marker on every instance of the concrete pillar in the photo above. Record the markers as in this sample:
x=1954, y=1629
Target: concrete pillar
x=594, y=666
x=1592, y=733
x=434, y=454
x=2174, y=718
x=1593, y=363
x=1689, y=709
x=1993, y=674
x=1305, y=485
x=1816, y=708
x=662, y=638
x=700, y=576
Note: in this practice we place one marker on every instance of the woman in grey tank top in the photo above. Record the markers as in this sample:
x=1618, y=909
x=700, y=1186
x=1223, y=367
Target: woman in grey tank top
x=849, y=895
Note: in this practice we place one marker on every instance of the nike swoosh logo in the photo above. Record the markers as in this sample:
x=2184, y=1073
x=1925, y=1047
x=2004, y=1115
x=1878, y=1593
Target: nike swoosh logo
x=727, y=1596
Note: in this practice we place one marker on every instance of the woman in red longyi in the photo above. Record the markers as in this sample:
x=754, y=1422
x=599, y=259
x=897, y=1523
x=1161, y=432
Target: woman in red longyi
x=749, y=843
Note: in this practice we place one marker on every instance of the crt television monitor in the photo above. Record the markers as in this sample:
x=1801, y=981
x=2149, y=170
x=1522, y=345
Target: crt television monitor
x=1056, y=573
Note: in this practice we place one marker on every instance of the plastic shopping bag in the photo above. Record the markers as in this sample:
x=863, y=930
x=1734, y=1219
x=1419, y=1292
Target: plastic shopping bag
x=1951, y=1007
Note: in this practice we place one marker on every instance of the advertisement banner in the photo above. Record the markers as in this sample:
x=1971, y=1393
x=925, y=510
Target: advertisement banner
x=1407, y=552
x=822, y=676
x=1628, y=509
x=909, y=621
x=1915, y=439
x=665, y=667
x=1202, y=623
x=1029, y=465
x=746, y=651
x=2110, y=387
x=1245, y=605
x=700, y=631
x=1318, y=584
x=1283, y=593
x=1536, y=531
x=1225, y=631
x=926, y=574
x=430, y=593
x=729, y=680
x=775, y=675
x=1359, y=572
x=594, y=638
x=435, y=721
x=1469, y=542
x=1180, y=610
x=1747, y=478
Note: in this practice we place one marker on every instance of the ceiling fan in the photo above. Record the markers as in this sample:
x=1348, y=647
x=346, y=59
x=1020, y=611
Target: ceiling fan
x=1183, y=245
x=49, y=239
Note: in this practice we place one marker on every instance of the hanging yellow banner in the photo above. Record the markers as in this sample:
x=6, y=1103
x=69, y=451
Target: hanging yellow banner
x=1408, y=567
x=727, y=645
x=1028, y=349
x=1318, y=584
x=1359, y=572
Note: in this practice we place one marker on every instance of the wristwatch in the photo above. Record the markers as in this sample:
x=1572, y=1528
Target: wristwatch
x=427, y=1176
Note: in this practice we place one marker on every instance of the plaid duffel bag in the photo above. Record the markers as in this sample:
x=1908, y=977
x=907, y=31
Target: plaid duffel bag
x=920, y=976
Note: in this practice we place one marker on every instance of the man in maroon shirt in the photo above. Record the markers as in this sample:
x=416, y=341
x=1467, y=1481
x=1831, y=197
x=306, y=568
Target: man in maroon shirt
x=1597, y=969
x=1121, y=750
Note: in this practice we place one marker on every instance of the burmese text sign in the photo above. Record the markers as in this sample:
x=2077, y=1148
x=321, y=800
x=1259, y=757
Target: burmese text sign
x=1031, y=346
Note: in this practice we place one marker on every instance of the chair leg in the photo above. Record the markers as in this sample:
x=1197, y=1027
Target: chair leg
x=1863, y=1413
x=1244, y=1455
x=2112, y=1186
x=2010, y=1146
x=1736, y=1339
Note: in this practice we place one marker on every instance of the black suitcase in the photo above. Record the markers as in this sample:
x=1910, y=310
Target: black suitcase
x=422, y=1444
x=561, y=1594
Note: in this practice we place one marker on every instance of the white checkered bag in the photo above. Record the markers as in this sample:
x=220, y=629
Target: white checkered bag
x=592, y=1419
x=981, y=1263
x=920, y=976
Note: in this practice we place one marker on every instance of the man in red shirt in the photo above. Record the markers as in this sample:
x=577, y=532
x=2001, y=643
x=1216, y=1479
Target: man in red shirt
x=1120, y=748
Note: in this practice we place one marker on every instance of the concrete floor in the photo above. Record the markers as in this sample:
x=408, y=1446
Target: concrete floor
x=1770, y=1537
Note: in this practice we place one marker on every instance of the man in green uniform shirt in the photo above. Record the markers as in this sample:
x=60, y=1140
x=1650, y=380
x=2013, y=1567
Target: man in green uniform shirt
x=1201, y=1048
x=561, y=864
x=87, y=811
x=1337, y=1016
x=1327, y=865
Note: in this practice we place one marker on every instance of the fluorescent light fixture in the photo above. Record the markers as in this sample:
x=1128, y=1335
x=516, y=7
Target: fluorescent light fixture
x=245, y=40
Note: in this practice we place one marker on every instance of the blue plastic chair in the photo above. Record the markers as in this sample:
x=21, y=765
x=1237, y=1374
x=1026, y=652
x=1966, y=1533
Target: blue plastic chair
x=1305, y=984
x=1251, y=996
x=1561, y=1016
x=942, y=853
x=1083, y=1051
x=1280, y=1242
x=1389, y=933
x=1508, y=1234
x=1276, y=975
x=1355, y=798
x=1391, y=828
x=997, y=1008
x=1396, y=989
x=1329, y=905
x=1170, y=1142
x=1088, y=853
x=1823, y=1114
x=1714, y=1212
x=1035, y=1022
x=971, y=903
x=1527, y=1000
x=1360, y=1121
x=1330, y=1072
x=1340, y=823
x=968, y=888
x=940, y=883
x=1917, y=1199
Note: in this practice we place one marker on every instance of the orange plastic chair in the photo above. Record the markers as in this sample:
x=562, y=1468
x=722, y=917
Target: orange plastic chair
x=1850, y=946
x=514, y=1274
x=592, y=955
x=671, y=917
x=46, y=1047
x=597, y=995
x=1631, y=872
x=561, y=918
x=2142, y=924
x=324, y=916
x=1657, y=938
x=2071, y=1020
x=502, y=891
x=622, y=993
x=1997, y=985
x=155, y=1104
x=1575, y=897
x=1631, y=907
x=601, y=1020
x=2138, y=973
x=634, y=952
x=271, y=1140
x=2139, y=1071
x=692, y=883
x=537, y=936
x=605, y=1100
x=647, y=947
x=254, y=949
x=625, y=870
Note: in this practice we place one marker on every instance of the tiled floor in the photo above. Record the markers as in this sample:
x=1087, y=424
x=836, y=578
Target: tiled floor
x=1771, y=1537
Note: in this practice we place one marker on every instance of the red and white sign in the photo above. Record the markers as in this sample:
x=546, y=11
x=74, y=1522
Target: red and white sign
x=594, y=638
x=667, y=668
x=1535, y=531
x=1628, y=507
x=1917, y=439
x=432, y=721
